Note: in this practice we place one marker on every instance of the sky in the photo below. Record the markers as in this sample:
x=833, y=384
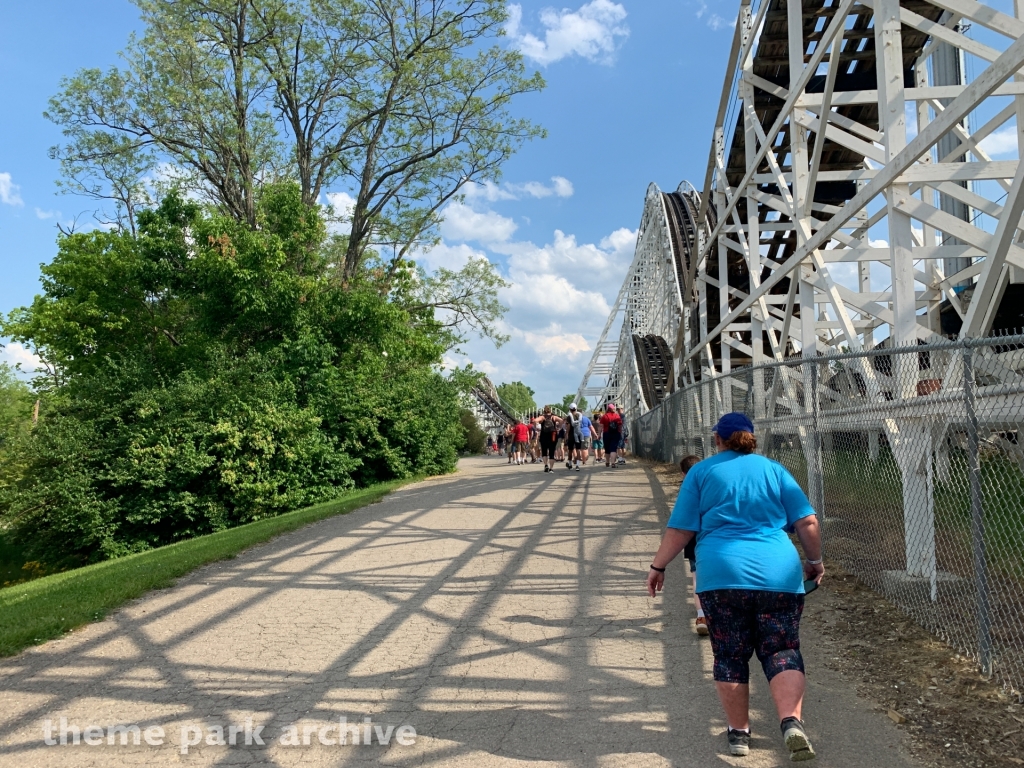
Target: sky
x=632, y=91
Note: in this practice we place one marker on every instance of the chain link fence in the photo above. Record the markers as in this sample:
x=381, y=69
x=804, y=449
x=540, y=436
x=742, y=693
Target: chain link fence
x=915, y=463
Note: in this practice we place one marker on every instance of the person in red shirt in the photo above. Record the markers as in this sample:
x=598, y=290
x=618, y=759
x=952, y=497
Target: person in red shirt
x=612, y=424
x=521, y=436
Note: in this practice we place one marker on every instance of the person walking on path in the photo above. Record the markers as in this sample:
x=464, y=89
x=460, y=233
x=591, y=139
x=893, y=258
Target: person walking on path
x=587, y=429
x=548, y=424
x=700, y=624
x=510, y=442
x=598, y=429
x=751, y=581
x=623, y=439
x=611, y=423
x=521, y=433
x=577, y=433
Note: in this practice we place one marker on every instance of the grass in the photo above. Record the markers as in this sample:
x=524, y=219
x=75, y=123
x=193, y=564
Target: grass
x=45, y=608
x=874, y=489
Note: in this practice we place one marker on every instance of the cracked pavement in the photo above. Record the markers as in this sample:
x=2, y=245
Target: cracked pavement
x=500, y=612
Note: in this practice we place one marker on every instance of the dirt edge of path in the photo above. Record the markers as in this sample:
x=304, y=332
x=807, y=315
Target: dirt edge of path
x=953, y=717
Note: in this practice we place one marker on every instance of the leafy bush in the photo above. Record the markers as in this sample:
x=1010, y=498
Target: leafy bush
x=16, y=405
x=475, y=440
x=205, y=375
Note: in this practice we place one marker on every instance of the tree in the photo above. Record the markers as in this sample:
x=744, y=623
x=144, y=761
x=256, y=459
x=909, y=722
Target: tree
x=206, y=374
x=467, y=299
x=475, y=438
x=400, y=102
x=517, y=395
x=16, y=408
x=15, y=405
x=570, y=399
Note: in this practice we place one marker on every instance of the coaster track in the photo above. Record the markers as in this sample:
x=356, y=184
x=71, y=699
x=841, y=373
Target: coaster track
x=817, y=195
x=654, y=359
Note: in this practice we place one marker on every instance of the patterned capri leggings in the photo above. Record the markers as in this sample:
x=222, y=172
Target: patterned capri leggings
x=744, y=622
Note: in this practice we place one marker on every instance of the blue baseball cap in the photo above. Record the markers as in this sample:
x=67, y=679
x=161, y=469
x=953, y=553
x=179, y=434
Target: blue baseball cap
x=731, y=423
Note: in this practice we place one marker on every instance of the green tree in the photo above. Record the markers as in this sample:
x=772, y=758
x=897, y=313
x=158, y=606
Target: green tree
x=476, y=439
x=16, y=406
x=518, y=396
x=570, y=399
x=16, y=402
x=400, y=102
x=205, y=374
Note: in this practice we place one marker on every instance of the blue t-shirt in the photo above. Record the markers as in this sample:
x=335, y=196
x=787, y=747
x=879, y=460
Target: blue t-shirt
x=585, y=427
x=739, y=506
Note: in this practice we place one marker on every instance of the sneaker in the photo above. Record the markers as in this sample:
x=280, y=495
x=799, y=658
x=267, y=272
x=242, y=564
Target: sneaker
x=701, y=625
x=547, y=468
x=577, y=467
x=568, y=465
x=799, y=745
x=739, y=742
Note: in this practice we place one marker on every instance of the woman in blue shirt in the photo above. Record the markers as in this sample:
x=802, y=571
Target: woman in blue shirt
x=750, y=581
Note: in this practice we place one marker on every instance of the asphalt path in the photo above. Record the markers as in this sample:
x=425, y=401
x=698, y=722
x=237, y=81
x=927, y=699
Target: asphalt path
x=499, y=614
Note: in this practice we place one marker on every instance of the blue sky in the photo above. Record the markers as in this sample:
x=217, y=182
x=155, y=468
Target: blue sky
x=632, y=92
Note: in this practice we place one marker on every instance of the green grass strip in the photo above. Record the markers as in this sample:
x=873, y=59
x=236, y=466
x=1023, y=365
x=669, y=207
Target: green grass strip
x=40, y=610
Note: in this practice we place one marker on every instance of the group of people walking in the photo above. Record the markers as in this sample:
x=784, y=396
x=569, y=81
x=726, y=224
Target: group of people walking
x=731, y=520
x=552, y=439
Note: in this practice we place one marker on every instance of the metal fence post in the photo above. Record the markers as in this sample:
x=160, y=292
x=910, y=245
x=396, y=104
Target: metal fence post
x=748, y=405
x=818, y=486
x=977, y=518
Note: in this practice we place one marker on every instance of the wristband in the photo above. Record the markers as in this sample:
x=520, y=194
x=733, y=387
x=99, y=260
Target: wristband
x=814, y=562
x=656, y=568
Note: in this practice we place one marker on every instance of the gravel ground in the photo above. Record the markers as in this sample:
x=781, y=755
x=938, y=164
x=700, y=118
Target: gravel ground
x=501, y=612
x=953, y=715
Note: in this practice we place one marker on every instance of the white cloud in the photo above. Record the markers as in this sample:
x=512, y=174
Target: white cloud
x=621, y=241
x=340, y=223
x=487, y=367
x=44, y=215
x=453, y=257
x=491, y=192
x=463, y=223
x=547, y=295
x=716, y=22
x=553, y=344
x=592, y=31
x=17, y=354
x=1001, y=142
x=597, y=267
x=558, y=297
x=9, y=191
x=342, y=202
